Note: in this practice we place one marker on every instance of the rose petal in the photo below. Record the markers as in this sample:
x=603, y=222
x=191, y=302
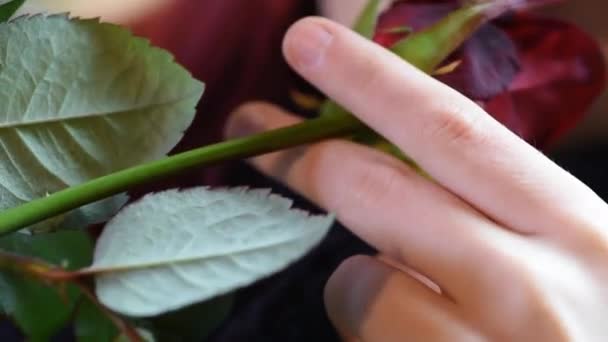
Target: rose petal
x=563, y=72
x=489, y=58
x=489, y=64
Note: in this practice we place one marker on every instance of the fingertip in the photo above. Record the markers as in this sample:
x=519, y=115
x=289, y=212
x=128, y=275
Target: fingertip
x=305, y=42
x=350, y=290
x=246, y=120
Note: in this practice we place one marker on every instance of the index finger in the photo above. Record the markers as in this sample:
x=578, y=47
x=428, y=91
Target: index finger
x=449, y=136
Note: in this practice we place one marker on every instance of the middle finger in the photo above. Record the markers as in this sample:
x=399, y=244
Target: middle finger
x=387, y=204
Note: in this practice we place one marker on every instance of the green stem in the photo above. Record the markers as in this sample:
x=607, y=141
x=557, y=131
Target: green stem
x=309, y=131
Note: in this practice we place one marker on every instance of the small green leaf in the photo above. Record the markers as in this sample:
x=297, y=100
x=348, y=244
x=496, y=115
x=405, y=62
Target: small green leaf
x=194, y=323
x=399, y=30
x=80, y=99
x=368, y=19
x=144, y=335
x=8, y=9
x=92, y=325
x=176, y=248
x=40, y=310
x=428, y=48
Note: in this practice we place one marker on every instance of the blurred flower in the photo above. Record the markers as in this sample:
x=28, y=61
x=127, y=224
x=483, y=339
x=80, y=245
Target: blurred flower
x=536, y=75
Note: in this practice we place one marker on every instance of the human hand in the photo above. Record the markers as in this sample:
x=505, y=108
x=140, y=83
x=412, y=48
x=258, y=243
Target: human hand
x=516, y=246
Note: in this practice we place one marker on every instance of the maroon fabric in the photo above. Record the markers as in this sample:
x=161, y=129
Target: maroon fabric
x=234, y=46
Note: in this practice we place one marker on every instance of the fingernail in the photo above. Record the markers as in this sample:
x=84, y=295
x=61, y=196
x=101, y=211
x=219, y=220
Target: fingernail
x=307, y=43
x=244, y=122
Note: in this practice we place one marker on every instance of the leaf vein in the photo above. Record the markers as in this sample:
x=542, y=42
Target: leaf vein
x=164, y=263
x=44, y=121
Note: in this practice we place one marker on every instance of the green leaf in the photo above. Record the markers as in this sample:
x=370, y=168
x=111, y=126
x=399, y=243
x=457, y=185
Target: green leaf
x=399, y=30
x=92, y=325
x=144, y=335
x=194, y=323
x=8, y=9
x=331, y=108
x=40, y=310
x=428, y=48
x=173, y=249
x=80, y=99
x=368, y=19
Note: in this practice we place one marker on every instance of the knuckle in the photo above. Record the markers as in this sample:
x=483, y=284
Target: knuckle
x=330, y=175
x=508, y=270
x=518, y=300
x=587, y=236
x=456, y=124
x=525, y=292
x=590, y=243
x=370, y=187
x=529, y=296
x=318, y=167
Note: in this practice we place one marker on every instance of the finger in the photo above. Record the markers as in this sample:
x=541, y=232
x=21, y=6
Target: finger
x=385, y=203
x=376, y=302
x=411, y=272
x=451, y=138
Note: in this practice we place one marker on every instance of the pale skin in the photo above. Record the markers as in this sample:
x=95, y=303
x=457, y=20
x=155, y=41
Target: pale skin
x=515, y=247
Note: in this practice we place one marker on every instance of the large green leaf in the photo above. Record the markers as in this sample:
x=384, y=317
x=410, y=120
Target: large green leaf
x=8, y=8
x=92, y=325
x=194, y=323
x=80, y=99
x=144, y=335
x=172, y=249
x=38, y=309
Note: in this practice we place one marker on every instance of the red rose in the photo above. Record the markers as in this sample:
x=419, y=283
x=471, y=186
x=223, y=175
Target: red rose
x=538, y=76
